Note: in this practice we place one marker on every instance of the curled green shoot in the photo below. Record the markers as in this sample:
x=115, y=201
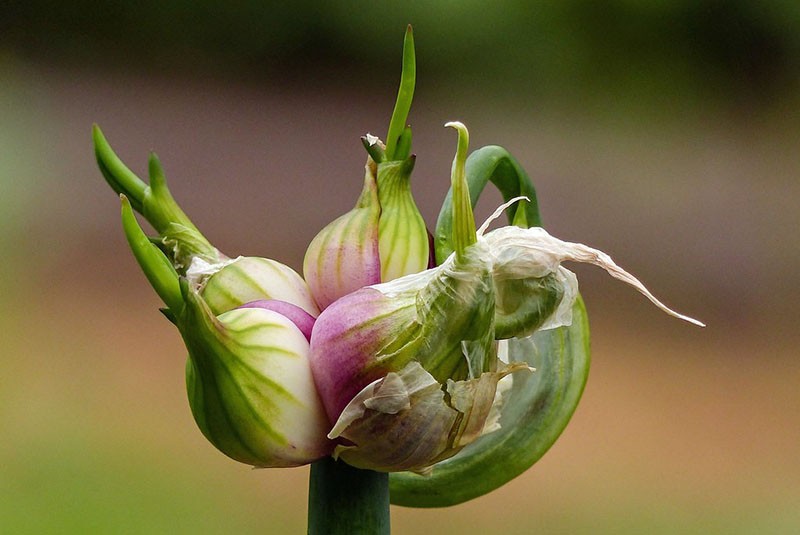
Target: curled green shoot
x=464, y=233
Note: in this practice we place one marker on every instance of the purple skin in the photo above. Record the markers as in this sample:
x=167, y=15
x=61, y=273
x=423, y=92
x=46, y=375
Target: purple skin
x=302, y=319
x=345, y=268
x=431, y=251
x=347, y=335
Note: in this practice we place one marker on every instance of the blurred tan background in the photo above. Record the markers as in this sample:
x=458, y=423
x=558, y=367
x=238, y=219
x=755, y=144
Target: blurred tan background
x=665, y=134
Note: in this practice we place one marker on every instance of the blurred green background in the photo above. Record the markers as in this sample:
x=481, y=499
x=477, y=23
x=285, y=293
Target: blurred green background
x=665, y=133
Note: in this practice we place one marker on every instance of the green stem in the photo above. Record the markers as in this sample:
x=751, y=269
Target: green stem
x=343, y=500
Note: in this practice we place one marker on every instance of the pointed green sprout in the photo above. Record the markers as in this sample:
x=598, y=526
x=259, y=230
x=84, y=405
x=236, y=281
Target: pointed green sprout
x=155, y=202
x=225, y=283
x=398, y=138
x=156, y=267
x=403, y=236
x=121, y=179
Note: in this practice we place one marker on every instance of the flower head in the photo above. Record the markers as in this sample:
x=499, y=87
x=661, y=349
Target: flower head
x=379, y=356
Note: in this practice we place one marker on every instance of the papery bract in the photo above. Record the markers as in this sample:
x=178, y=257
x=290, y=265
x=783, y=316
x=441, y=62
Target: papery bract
x=523, y=254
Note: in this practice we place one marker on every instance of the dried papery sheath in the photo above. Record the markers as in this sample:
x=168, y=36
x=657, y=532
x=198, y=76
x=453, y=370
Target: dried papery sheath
x=521, y=254
x=409, y=421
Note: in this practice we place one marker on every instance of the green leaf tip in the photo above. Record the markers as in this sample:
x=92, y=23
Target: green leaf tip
x=157, y=267
x=405, y=94
x=160, y=207
x=121, y=179
x=464, y=233
x=154, y=168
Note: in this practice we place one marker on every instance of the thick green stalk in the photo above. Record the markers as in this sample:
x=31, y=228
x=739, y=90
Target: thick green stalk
x=343, y=500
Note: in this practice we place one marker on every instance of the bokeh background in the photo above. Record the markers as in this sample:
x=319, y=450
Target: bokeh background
x=665, y=133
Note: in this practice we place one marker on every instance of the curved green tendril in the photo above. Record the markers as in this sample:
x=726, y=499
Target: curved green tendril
x=539, y=407
x=496, y=165
x=463, y=234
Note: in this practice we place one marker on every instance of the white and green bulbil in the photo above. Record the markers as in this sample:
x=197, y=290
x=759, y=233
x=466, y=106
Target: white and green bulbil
x=451, y=361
